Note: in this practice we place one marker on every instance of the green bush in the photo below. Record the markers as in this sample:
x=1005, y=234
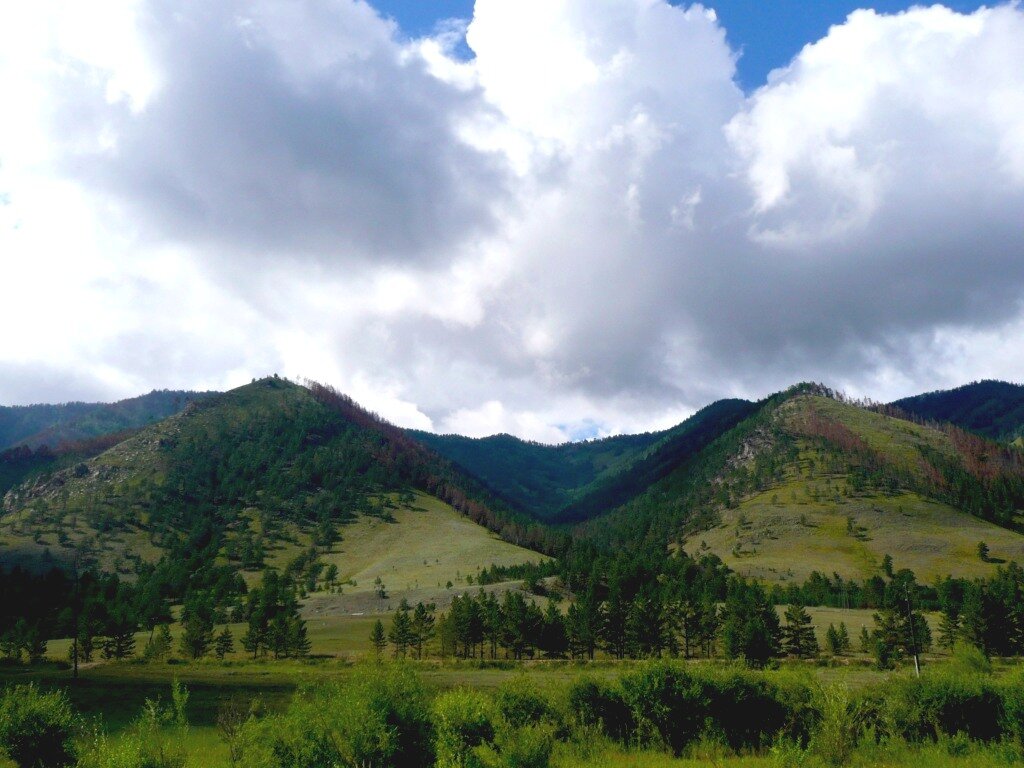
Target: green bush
x=37, y=730
x=1012, y=692
x=520, y=704
x=597, y=704
x=463, y=721
x=742, y=708
x=528, y=747
x=946, y=704
x=379, y=717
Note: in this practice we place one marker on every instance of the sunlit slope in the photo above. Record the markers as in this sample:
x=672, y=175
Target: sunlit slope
x=827, y=486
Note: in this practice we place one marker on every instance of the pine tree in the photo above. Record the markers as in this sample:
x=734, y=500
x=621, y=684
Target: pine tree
x=583, y=624
x=798, y=634
x=844, y=638
x=400, y=634
x=299, y=644
x=553, y=642
x=34, y=643
x=422, y=627
x=159, y=645
x=867, y=642
x=378, y=639
x=224, y=644
x=832, y=640
x=949, y=628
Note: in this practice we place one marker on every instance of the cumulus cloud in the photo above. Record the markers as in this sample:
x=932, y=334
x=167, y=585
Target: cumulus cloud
x=584, y=227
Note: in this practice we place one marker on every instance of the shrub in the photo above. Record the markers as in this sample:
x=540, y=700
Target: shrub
x=37, y=729
x=528, y=747
x=969, y=660
x=463, y=721
x=598, y=704
x=667, y=702
x=520, y=704
x=378, y=717
x=946, y=704
x=1012, y=691
x=744, y=709
x=837, y=731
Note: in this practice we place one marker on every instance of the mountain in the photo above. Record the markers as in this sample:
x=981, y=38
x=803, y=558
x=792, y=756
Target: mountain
x=994, y=409
x=812, y=483
x=267, y=467
x=576, y=481
x=52, y=425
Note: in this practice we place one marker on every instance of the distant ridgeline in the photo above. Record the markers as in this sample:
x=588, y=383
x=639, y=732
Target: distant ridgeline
x=994, y=409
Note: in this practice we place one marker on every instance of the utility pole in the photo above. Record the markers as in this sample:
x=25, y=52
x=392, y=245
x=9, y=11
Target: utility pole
x=74, y=616
x=913, y=634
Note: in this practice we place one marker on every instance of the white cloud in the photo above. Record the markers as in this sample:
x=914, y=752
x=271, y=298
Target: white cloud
x=585, y=228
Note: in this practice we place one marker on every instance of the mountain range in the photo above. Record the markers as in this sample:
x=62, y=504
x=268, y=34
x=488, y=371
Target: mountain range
x=802, y=481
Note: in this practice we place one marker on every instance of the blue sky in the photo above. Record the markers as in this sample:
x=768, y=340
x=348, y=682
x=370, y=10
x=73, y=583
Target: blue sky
x=768, y=33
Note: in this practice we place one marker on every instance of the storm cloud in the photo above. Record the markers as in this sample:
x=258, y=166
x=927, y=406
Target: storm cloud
x=583, y=227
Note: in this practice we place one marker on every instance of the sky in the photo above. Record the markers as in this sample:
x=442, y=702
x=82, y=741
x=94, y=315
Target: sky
x=554, y=218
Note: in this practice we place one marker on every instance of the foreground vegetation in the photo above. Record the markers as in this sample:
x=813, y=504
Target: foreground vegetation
x=648, y=714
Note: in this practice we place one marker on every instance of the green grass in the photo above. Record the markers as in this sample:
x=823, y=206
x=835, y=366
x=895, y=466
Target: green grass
x=812, y=520
x=788, y=535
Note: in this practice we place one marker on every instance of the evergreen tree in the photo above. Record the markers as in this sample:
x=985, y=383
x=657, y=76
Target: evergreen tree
x=422, y=627
x=553, y=642
x=299, y=644
x=750, y=625
x=197, y=626
x=159, y=645
x=378, y=638
x=583, y=625
x=224, y=644
x=832, y=640
x=400, y=634
x=798, y=634
x=844, y=638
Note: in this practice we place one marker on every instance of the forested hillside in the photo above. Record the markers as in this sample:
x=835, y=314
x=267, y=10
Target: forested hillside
x=256, y=458
x=53, y=425
x=994, y=409
x=572, y=482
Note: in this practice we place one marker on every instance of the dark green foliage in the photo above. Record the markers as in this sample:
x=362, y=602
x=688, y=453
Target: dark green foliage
x=798, y=637
x=676, y=706
x=603, y=705
x=577, y=481
x=946, y=704
x=537, y=478
x=37, y=730
x=378, y=638
x=994, y=409
x=274, y=623
x=750, y=626
x=224, y=643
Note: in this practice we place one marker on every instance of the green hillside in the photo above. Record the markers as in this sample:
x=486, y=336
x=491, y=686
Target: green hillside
x=537, y=478
x=246, y=471
x=994, y=409
x=817, y=484
x=572, y=482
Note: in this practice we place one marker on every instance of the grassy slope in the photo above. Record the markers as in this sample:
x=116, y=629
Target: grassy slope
x=801, y=523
